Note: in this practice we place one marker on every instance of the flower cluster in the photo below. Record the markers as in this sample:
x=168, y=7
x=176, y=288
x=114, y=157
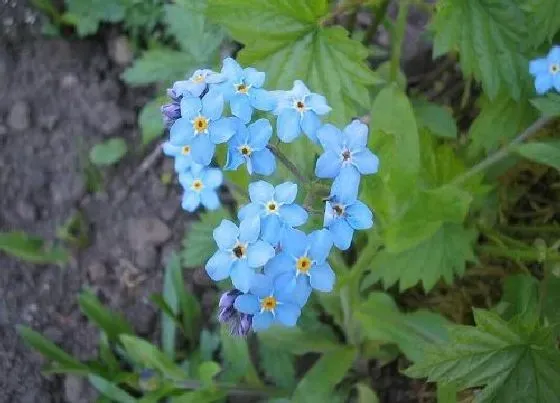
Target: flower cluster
x=546, y=71
x=273, y=265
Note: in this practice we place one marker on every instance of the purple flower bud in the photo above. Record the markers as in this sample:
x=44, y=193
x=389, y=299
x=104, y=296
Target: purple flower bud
x=239, y=323
x=148, y=380
x=171, y=112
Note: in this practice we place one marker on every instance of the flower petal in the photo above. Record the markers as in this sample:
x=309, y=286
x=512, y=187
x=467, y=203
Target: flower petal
x=262, y=321
x=309, y=124
x=328, y=165
x=296, y=243
x=213, y=104
x=346, y=185
x=322, y=278
x=250, y=210
x=292, y=289
x=254, y=77
x=330, y=138
x=226, y=235
x=543, y=83
x=366, y=162
x=241, y=107
x=190, y=107
x=219, y=265
x=260, y=133
x=181, y=133
x=261, y=192
x=262, y=286
x=538, y=67
x=202, y=149
x=341, y=233
x=556, y=82
x=320, y=242
x=281, y=263
x=318, y=103
x=293, y=214
x=299, y=90
x=262, y=100
x=271, y=228
x=248, y=304
x=356, y=134
x=190, y=201
x=285, y=192
x=249, y=229
x=242, y=275
x=234, y=159
x=554, y=55
x=329, y=215
x=209, y=199
x=359, y=216
x=212, y=178
x=259, y=253
x=288, y=125
x=288, y=314
x=222, y=130
x=231, y=69
x=263, y=162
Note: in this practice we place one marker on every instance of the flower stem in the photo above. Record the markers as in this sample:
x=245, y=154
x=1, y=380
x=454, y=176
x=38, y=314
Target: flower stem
x=288, y=164
x=502, y=153
x=397, y=40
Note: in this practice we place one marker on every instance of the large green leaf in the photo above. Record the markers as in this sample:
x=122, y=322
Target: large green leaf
x=551, y=302
x=319, y=382
x=544, y=20
x=88, y=14
x=110, y=390
x=277, y=364
x=520, y=298
x=512, y=362
x=543, y=153
x=159, y=65
x=288, y=41
x=198, y=244
x=236, y=359
x=31, y=248
x=489, y=35
x=297, y=341
x=381, y=320
x=437, y=118
x=548, y=105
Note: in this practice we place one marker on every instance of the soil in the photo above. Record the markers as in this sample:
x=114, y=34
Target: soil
x=59, y=97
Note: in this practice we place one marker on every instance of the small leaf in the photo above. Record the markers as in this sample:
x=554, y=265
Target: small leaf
x=542, y=153
x=296, y=341
x=365, y=394
x=446, y=393
x=209, y=343
x=438, y=119
x=207, y=371
x=277, y=364
x=159, y=65
x=320, y=381
x=548, y=105
x=31, y=248
x=150, y=120
x=171, y=300
x=110, y=390
x=520, y=297
x=199, y=244
x=236, y=360
x=209, y=395
x=109, y=152
x=112, y=323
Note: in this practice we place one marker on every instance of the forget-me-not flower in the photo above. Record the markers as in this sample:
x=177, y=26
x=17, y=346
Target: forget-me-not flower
x=302, y=264
x=547, y=71
x=202, y=126
x=299, y=109
x=201, y=187
x=276, y=207
x=269, y=302
x=344, y=213
x=346, y=149
x=243, y=89
x=196, y=84
x=249, y=145
x=240, y=253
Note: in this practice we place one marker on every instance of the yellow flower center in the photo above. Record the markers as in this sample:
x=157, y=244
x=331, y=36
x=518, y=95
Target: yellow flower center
x=338, y=209
x=300, y=106
x=303, y=264
x=242, y=88
x=200, y=124
x=197, y=185
x=198, y=79
x=186, y=150
x=268, y=303
x=554, y=68
x=245, y=150
x=272, y=207
x=239, y=250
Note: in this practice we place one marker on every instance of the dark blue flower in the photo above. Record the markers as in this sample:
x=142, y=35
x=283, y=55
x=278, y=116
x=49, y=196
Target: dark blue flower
x=547, y=71
x=249, y=145
x=239, y=323
x=201, y=185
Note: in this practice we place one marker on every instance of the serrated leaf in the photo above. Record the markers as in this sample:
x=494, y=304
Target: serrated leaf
x=110, y=390
x=297, y=341
x=111, y=323
x=488, y=35
x=108, y=152
x=544, y=20
x=199, y=244
x=442, y=256
x=543, y=153
x=288, y=42
x=31, y=248
x=548, y=105
x=438, y=119
x=88, y=14
x=236, y=359
x=320, y=381
x=381, y=320
x=159, y=65
x=277, y=364
x=511, y=362
x=171, y=299
x=520, y=297
x=150, y=120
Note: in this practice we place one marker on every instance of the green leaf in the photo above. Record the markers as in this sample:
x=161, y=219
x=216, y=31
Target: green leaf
x=442, y=256
x=109, y=152
x=159, y=65
x=150, y=120
x=237, y=360
x=543, y=153
x=511, y=362
x=207, y=371
x=489, y=35
x=520, y=297
x=50, y=350
x=446, y=393
x=551, y=302
x=543, y=19
x=548, y=105
x=277, y=364
x=199, y=244
x=113, y=324
x=147, y=355
x=296, y=341
x=288, y=41
x=187, y=23
x=414, y=332
x=111, y=390
x=320, y=381
x=31, y=248
x=88, y=14
x=209, y=342
x=171, y=299
x=200, y=396
x=365, y=394
x=438, y=119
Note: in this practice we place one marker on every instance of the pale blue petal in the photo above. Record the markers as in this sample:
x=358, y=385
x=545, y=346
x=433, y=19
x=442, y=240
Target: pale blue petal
x=171, y=150
x=318, y=103
x=212, y=178
x=329, y=215
x=249, y=229
x=556, y=82
x=213, y=104
x=190, y=107
x=191, y=201
x=231, y=69
x=181, y=132
x=253, y=77
x=283, y=101
x=262, y=286
x=328, y=165
x=241, y=107
x=226, y=235
x=209, y=199
x=320, y=242
x=221, y=130
x=288, y=125
x=263, y=162
x=310, y=123
x=202, y=149
x=271, y=228
x=234, y=159
x=248, y=304
x=554, y=55
x=300, y=90
x=543, y=83
x=219, y=265
x=183, y=163
x=538, y=67
x=296, y=244
x=242, y=275
x=281, y=263
x=341, y=233
x=262, y=100
x=260, y=133
x=359, y=216
x=356, y=134
x=186, y=179
x=250, y=210
x=259, y=253
x=285, y=192
x=293, y=214
x=288, y=314
x=292, y=289
x=321, y=277
x=261, y=192
x=366, y=162
x=262, y=321
x=330, y=138
x=346, y=185
x=214, y=78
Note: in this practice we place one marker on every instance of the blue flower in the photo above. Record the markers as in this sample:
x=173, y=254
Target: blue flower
x=196, y=84
x=344, y=213
x=242, y=89
x=249, y=145
x=346, y=149
x=240, y=253
x=276, y=207
x=302, y=263
x=180, y=151
x=201, y=126
x=270, y=303
x=547, y=71
x=297, y=110
x=201, y=184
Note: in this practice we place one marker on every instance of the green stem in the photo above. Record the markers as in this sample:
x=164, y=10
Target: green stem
x=380, y=12
x=397, y=40
x=235, y=390
x=502, y=153
x=288, y=164
x=528, y=255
